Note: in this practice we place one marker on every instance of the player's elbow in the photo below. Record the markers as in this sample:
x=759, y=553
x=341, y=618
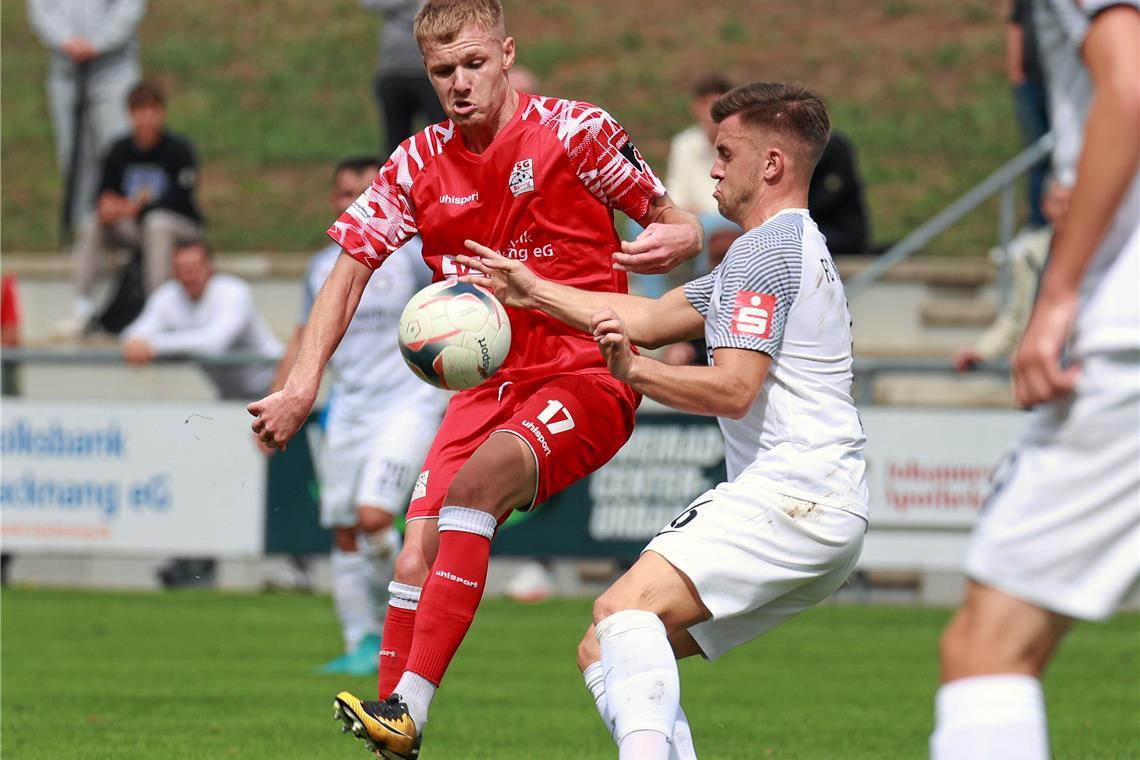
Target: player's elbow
x=738, y=400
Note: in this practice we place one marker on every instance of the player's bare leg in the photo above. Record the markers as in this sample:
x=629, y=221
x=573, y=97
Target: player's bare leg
x=628, y=658
x=499, y=476
x=993, y=653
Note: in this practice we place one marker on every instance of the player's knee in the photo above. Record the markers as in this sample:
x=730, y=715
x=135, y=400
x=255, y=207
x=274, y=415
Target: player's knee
x=588, y=650
x=479, y=490
x=412, y=566
x=608, y=604
x=954, y=648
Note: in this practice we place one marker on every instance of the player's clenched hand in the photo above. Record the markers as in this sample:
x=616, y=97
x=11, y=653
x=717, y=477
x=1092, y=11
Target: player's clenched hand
x=613, y=340
x=278, y=417
x=658, y=249
x=1037, y=373
x=510, y=280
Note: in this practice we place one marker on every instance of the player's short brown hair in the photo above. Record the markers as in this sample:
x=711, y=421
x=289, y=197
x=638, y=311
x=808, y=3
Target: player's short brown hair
x=443, y=20
x=145, y=93
x=786, y=109
x=357, y=165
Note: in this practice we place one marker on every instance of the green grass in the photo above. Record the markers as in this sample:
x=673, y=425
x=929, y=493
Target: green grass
x=211, y=675
x=274, y=91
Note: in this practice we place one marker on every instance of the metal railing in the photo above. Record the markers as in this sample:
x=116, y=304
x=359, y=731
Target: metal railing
x=1000, y=181
x=867, y=370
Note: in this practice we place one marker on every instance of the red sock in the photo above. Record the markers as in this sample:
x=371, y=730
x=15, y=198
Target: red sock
x=452, y=591
x=397, y=643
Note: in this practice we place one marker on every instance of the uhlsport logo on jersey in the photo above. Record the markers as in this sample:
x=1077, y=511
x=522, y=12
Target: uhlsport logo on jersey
x=459, y=200
x=752, y=314
x=522, y=177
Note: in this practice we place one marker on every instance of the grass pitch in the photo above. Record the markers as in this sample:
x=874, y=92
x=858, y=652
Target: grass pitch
x=213, y=675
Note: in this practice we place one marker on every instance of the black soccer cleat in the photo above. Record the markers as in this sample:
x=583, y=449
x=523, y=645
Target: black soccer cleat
x=386, y=727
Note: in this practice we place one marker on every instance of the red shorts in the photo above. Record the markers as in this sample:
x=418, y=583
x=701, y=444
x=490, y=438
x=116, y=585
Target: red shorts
x=572, y=423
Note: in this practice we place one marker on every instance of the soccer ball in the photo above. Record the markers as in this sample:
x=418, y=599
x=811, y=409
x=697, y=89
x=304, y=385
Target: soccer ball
x=454, y=335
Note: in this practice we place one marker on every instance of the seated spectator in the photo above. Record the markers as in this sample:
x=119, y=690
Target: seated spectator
x=201, y=312
x=835, y=198
x=145, y=200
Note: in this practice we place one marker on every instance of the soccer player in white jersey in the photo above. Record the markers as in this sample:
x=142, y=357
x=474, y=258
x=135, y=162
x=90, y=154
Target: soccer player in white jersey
x=787, y=527
x=1060, y=536
x=379, y=424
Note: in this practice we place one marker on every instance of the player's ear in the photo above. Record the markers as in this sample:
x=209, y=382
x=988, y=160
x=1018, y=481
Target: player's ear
x=508, y=52
x=774, y=164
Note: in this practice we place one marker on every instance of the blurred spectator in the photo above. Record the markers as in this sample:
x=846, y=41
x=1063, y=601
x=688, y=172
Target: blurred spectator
x=1030, y=100
x=695, y=351
x=402, y=87
x=94, y=63
x=691, y=152
x=200, y=312
x=1027, y=253
x=146, y=200
x=835, y=198
x=522, y=79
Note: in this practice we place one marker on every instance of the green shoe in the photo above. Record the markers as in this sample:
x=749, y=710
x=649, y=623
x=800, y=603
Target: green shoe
x=338, y=665
x=363, y=660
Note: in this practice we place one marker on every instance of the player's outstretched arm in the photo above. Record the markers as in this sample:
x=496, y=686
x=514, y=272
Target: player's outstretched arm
x=670, y=236
x=652, y=322
x=726, y=389
x=281, y=414
x=1108, y=162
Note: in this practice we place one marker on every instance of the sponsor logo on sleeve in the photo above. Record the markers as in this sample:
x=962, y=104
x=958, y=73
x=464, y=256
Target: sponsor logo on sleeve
x=752, y=314
x=522, y=177
x=420, y=489
x=629, y=151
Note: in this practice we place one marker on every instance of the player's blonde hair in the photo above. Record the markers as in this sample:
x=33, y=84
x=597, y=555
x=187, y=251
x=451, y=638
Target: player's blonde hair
x=443, y=20
x=786, y=109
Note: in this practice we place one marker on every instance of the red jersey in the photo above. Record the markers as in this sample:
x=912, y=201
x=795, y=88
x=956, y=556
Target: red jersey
x=543, y=192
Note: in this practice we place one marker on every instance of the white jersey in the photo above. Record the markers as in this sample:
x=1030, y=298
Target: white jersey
x=222, y=321
x=369, y=373
x=1109, y=318
x=777, y=292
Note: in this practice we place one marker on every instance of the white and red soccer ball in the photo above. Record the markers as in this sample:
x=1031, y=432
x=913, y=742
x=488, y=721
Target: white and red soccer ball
x=454, y=334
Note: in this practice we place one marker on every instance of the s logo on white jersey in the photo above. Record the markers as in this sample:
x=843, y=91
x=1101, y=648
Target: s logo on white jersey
x=752, y=314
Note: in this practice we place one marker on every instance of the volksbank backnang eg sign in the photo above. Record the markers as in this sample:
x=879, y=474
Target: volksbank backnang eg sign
x=120, y=477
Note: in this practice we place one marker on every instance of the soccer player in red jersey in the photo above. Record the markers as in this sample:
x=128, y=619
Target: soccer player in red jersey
x=538, y=179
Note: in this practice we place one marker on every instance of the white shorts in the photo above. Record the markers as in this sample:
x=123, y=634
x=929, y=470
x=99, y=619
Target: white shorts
x=373, y=462
x=1062, y=527
x=757, y=557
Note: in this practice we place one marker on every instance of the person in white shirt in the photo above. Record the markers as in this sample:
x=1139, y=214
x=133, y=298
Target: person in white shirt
x=786, y=529
x=380, y=421
x=1059, y=537
x=202, y=312
x=208, y=314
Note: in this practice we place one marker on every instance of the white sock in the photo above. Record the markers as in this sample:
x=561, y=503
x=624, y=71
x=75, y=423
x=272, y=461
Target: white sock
x=643, y=689
x=417, y=693
x=999, y=716
x=351, y=597
x=380, y=549
x=681, y=743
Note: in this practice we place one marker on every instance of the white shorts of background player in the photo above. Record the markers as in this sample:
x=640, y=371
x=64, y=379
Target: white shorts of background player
x=1062, y=527
x=373, y=461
